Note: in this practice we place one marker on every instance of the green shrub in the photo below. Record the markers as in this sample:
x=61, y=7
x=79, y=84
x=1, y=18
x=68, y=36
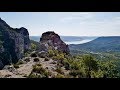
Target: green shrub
x=51, y=53
x=26, y=54
x=33, y=46
x=25, y=75
x=36, y=59
x=90, y=63
x=8, y=75
x=27, y=59
x=47, y=74
x=67, y=66
x=38, y=64
x=19, y=62
x=47, y=59
x=33, y=55
x=76, y=73
x=59, y=57
x=40, y=70
x=65, y=63
x=55, y=58
x=59, y=76
x=75, y=66
x=59, y=70
x=16, y=66
x=34, y=75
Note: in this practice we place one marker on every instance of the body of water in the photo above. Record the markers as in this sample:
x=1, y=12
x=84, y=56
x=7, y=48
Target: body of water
x=79, y=42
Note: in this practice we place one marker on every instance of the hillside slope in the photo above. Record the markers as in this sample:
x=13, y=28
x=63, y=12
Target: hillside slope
x=101, y=44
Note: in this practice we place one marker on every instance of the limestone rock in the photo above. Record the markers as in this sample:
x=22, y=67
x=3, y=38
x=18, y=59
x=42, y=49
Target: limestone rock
x=14, y=42
x=51, y=40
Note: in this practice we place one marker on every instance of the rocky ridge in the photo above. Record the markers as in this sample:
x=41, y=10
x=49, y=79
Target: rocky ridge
x=14, y=42
x=51, y=40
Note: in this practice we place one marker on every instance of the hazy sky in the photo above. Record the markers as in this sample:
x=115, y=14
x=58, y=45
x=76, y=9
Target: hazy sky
x=66, y=23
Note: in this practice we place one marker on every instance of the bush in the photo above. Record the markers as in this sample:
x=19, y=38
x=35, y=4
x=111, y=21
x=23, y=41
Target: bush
x=8, y=75
x=75, y=65
x=51, y=53
x=27, y=59
x=90, y=63
x=76, y=73
x=42, y=54
x=55, y=58
x=16, y=66
x=19, y=62
x=65, y=63
x=47, y=74
x=38, y=69
x=47, y=59
x=67, y=66
x=38, y=64
x=36, y=59
x=33, y=46
x=27, y=53
x=33, y=75
x=59, y=70
x=25, y=75
x=59, y=76
x=33, y=55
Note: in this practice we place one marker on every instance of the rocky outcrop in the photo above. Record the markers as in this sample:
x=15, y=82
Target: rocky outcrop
x=14, y=42
x=51, y=40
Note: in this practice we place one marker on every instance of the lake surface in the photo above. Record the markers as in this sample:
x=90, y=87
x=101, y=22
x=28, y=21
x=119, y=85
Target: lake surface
x=79, y=42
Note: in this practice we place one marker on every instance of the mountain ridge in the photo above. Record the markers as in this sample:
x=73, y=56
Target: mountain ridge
x=105, y=44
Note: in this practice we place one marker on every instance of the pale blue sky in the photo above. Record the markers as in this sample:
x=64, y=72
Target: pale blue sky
x=66, y=23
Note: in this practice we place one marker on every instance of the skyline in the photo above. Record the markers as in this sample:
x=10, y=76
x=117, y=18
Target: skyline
x=66, y=23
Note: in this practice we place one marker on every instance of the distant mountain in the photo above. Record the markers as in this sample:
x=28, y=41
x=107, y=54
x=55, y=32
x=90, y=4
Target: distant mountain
x=101, y=44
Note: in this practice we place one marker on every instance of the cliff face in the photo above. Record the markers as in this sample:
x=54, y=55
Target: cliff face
x=13, y=43
x=51, y=40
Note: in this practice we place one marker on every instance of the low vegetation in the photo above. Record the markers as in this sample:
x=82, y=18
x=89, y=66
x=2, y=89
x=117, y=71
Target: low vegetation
x=85, y=66
x=18, y=63
x=59, y=76
x=34, y=54
x=59, y=70
x=16, y=66
x=27, y=59
x=47, y=59
x=77, y=66
x=39, y=72
x=36, y=59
